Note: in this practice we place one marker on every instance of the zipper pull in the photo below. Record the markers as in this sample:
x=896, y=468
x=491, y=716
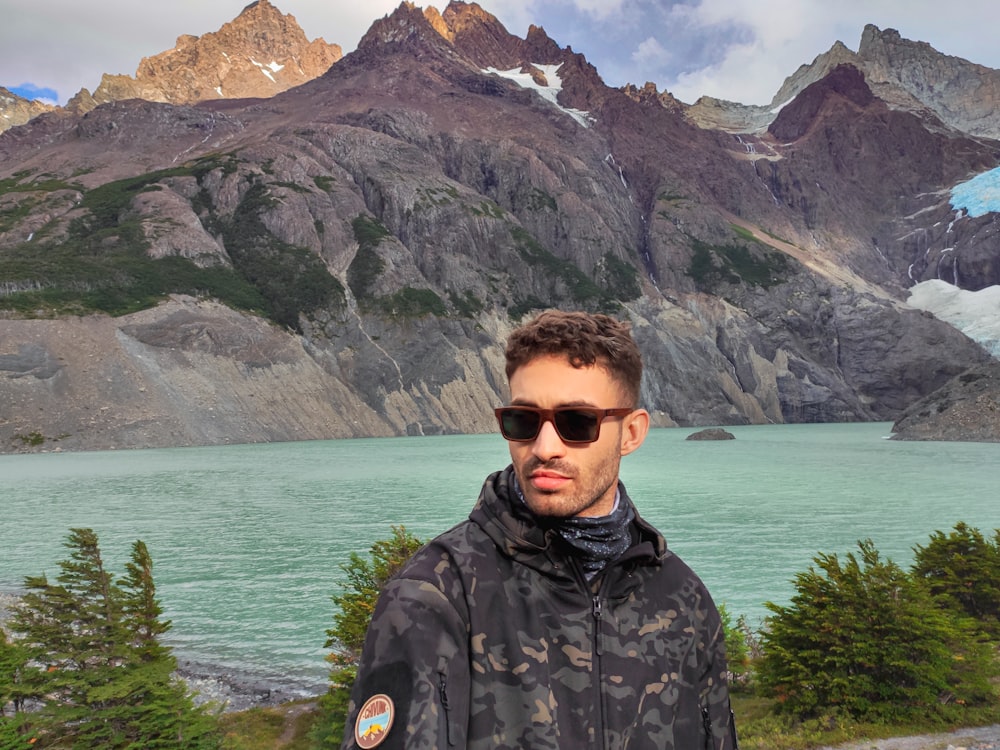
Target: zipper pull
x=598, y=612
x=443, y=692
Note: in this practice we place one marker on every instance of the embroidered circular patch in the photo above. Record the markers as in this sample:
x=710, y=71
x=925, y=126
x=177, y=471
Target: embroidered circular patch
x=374, y=721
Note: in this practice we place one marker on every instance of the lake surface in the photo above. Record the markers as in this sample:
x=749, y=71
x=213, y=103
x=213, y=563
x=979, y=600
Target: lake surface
x=247, y=541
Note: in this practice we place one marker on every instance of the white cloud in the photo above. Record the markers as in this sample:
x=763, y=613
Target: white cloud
x=746, y=75
x=600, y=9
x=650, y=54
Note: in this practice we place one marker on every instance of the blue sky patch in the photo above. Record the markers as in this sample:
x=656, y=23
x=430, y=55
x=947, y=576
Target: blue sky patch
x=31, y=91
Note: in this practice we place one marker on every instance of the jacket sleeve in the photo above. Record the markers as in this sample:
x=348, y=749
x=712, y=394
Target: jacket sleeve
x=412, y=687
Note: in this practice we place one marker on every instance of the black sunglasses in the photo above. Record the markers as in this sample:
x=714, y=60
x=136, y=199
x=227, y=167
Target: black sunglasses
x=574, y=424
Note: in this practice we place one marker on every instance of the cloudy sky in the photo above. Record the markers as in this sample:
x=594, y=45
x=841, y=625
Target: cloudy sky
x=739, y=50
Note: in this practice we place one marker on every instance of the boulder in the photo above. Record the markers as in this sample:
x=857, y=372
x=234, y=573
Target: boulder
x=711, y=433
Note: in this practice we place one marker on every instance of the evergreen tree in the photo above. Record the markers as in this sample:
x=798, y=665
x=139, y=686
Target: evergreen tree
x=95, y=661
x=737, y=647
x=355, y=605
x=864, y=639
x=13, y=659
x=962, y=569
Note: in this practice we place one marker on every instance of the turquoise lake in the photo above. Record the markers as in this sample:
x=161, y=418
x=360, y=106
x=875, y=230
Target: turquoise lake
x=248, y=540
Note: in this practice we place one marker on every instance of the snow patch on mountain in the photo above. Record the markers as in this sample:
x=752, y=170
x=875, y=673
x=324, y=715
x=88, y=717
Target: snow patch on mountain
x=549, y=93
x=976, y=314
x=266, y=69
x=978, y=196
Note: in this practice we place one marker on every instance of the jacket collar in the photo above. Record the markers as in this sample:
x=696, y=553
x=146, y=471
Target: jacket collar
x=517, y=532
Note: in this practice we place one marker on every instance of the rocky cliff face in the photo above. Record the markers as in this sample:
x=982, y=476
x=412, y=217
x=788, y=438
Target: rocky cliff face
x=259, y=54
x=375, y=234
x=967, y=409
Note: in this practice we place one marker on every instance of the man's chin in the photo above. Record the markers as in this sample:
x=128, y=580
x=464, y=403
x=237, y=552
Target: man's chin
x=546, y=504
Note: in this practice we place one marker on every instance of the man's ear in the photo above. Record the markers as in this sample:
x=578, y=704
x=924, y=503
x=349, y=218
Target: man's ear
x=634, y=430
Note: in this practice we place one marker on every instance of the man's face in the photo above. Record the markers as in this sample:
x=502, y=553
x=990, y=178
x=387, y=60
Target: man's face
x=560, y=479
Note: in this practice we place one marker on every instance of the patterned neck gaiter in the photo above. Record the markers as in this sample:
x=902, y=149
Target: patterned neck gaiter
x=595, y=541
x=598, y=541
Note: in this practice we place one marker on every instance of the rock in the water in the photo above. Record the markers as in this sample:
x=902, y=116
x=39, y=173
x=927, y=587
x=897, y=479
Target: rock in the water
x=711, y=433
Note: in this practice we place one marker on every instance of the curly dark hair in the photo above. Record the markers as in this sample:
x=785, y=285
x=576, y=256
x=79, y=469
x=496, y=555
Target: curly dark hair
x=586, y=339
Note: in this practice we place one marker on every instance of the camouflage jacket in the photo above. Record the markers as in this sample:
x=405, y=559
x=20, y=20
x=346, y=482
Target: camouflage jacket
x=491, y=638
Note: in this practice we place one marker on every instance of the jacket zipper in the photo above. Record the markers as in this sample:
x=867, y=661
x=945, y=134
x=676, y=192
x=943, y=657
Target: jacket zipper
x=598, y=601
x=598, y=611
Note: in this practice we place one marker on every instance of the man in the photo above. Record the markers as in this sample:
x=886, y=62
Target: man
x=554, y=617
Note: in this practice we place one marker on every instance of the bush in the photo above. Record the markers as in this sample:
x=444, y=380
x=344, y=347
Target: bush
x=737, y=646
x=863, y=639
x=962, y=570
x=365, y=579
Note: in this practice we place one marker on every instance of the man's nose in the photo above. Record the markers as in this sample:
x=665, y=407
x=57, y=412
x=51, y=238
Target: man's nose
x=548, y=444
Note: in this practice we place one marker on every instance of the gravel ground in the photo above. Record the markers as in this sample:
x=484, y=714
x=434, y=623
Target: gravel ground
x=973, y=738
x=238, y=692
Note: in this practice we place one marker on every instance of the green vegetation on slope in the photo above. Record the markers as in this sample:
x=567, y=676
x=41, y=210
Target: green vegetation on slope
x=102, y=265
x=751, y=262
x=619, y=280
x=367, y=266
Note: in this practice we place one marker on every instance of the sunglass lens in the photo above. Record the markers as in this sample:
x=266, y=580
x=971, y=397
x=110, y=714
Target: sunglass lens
x=520, y=424
x=576, y=426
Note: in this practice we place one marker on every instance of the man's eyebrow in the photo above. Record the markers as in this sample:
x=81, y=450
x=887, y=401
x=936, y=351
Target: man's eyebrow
x=560, y=405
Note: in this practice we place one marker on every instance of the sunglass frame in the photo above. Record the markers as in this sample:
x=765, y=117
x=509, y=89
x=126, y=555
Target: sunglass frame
x=551, y=415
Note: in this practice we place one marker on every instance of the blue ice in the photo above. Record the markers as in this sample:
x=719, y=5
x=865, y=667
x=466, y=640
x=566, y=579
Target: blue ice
x=980, y=195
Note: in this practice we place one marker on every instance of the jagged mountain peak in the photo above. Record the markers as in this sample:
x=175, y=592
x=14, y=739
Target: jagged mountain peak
x=907, y=75
x=879, y=45
x=965, y=95
x=709, y=112
x=650, y=95
x=404, y=27
x=16, y=110
x=483, y=39
x=463, y=42
x=844, y=83
x=260, y=53
x=467, y=28
x=810, y=73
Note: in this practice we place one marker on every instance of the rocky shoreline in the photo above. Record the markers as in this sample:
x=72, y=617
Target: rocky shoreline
x=236, y=691
x=232, y=689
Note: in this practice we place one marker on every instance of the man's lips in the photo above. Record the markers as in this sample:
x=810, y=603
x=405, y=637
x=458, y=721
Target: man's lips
x=548, y=480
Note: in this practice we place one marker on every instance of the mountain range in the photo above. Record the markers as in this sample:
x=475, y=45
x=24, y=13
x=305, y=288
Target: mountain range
x=192, y=257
